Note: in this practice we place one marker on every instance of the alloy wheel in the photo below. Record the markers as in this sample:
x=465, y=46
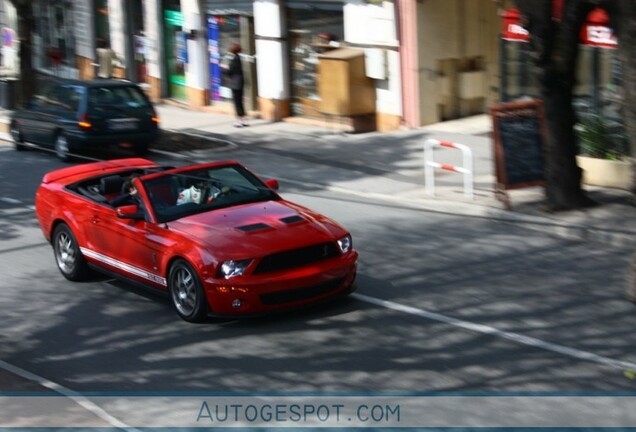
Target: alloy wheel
x=186, y=292
x=65, y=253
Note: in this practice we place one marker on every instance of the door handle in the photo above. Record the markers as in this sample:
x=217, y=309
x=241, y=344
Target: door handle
x=95, y=220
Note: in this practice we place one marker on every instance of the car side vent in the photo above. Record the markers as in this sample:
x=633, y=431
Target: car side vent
x=253, y=227
x=292, y=219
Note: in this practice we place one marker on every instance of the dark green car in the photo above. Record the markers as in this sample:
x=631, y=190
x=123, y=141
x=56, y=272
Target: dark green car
x=73, y=115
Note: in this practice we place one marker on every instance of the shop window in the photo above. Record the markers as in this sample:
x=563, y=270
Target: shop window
x=313, y=29
x=222, y=32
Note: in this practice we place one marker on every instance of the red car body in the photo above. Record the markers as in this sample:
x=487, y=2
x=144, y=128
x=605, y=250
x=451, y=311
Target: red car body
x=242, y=251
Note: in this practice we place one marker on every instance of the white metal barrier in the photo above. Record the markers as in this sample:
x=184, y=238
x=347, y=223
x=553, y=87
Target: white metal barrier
x=430, y=165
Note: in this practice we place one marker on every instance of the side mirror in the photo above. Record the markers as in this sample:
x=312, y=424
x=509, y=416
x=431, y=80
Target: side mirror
x=130, y=212
x=272, y=184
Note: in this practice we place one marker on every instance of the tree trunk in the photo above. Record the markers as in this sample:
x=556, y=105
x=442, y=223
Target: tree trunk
x=27, y=83
x=623, y=20
x=555, y=43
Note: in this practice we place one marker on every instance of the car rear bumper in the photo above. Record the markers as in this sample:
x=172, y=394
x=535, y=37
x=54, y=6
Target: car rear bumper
x=87, y=141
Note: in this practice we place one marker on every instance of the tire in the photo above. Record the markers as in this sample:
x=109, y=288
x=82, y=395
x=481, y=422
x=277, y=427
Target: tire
x=68, y=256
x=186, y=292
x=62, y=150
x=18, y=141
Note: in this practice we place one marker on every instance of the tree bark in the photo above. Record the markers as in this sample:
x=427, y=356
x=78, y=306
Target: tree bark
x=623, y=21
x=27, y=83
x=555, y=45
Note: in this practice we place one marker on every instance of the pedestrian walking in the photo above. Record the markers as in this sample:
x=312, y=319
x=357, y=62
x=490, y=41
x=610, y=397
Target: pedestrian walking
x=105, y=59
x=234, y=70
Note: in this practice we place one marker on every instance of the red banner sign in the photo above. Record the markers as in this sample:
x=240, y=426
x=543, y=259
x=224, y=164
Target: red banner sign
x=512, y=28
x=595, y=32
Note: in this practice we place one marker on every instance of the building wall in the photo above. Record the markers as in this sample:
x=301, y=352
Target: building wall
x=458, y=51
x=373, y=27
x=196, y=68
x=84, y=38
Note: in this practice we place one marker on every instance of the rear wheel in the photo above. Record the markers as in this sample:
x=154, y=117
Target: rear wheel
x=62, y=150
x=186, y=292
x=18, y=140
x=68, y=256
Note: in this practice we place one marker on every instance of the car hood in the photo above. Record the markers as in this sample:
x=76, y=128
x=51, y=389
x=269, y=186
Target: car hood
x=257, y=229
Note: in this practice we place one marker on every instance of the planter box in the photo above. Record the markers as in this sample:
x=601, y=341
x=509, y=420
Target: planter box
x=603, y=172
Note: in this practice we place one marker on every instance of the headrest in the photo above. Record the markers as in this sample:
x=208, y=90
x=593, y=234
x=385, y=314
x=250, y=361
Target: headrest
x=111, y=184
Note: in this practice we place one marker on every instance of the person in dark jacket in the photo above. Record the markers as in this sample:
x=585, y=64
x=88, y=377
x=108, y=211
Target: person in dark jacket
x=129, y=194
x=237, y=81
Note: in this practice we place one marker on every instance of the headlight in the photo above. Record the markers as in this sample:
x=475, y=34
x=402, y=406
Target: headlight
x=345, y=244
x=233, y=268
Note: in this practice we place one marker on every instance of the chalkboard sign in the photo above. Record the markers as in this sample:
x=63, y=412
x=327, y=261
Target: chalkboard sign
x=519, y=134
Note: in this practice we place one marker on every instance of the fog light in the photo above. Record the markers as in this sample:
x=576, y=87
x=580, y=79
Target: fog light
x=236, y=303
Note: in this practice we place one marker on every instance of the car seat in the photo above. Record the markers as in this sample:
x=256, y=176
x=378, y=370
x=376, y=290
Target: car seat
x=111, y=185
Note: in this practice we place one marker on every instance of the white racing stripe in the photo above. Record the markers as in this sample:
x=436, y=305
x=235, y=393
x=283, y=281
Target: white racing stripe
x=125, y=267
x=515, y=337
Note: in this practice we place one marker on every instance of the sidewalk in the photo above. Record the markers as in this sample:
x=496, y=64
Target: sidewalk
x=390, y=166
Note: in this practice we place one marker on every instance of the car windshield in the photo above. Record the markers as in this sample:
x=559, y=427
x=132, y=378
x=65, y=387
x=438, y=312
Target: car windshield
x=176, y=195
x=117, y=97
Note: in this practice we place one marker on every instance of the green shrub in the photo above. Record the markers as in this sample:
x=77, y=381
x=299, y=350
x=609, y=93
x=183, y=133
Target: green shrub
x=602, y=139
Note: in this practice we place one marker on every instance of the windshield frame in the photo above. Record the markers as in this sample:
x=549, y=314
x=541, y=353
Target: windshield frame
x=225, y=186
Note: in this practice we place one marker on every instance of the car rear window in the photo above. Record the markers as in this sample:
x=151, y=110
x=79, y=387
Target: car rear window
x=117, y=97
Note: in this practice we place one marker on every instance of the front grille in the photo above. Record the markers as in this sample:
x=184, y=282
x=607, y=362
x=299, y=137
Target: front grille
x=297, y=258
x=299, y=294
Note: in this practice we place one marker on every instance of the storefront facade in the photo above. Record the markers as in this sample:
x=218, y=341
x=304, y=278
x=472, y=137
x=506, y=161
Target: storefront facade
x=176, y=48
x=314, y=28
x=224, y=28
x=425, y=61
x=9, y=63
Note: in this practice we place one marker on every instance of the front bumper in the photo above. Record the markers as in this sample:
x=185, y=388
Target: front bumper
x=251, y=295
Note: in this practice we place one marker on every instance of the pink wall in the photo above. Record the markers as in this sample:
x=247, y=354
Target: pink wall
x=407, y=25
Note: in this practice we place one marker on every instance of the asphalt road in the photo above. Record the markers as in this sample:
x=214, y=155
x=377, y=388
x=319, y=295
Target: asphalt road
x=445, y=303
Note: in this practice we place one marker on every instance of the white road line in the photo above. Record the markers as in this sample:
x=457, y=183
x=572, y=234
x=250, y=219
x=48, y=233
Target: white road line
x=76, y=397
x=10, y=200
x=515, y=337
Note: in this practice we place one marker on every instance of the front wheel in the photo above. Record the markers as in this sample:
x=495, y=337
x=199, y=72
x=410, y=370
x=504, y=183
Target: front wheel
x=62, y=150
x=186, y=292
x=68, y=256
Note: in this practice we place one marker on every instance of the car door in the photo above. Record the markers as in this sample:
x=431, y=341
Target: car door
x=30, y=119
x=59, y=114
x=129, y=247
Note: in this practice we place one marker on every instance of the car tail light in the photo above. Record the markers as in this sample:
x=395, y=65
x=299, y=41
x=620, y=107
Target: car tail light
x=155, y=118
x=85, y=122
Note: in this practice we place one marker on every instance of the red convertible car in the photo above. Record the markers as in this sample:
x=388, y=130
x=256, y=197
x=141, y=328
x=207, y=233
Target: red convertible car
x=215, y=237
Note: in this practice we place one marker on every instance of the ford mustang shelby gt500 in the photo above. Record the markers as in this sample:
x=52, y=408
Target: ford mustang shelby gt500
x=218, y=239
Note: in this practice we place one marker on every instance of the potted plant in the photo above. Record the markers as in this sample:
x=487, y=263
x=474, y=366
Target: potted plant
x=603, y=150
